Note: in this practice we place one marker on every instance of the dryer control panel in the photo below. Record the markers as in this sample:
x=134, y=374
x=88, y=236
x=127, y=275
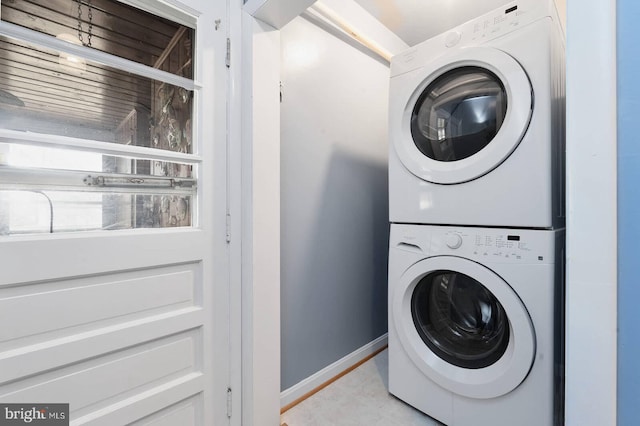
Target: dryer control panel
x=489, y=26
x=488, y=245
x=494, y=24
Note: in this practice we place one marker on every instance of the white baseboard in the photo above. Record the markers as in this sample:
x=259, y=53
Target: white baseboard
x=312, y=382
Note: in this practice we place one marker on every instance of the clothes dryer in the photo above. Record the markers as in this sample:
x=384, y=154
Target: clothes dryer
x=477, y=123
x=475, y=324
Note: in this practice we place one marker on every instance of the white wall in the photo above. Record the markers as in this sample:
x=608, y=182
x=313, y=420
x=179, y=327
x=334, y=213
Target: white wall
x=334, y=226
x=562, y=11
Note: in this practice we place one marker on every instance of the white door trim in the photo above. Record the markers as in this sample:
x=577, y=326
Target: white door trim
x=260, y=223
x=591, y=317
x=236, y=168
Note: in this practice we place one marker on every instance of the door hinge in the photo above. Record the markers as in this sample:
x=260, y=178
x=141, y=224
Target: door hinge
x=229, y=402
x=228, y=231
x=227, y=60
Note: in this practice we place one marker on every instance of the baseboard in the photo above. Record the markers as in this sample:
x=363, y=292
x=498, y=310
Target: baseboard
x=314, y=383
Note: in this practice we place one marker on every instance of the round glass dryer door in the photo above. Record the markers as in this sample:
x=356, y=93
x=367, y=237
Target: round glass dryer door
x=463, y=326
x=463, y=115
x=459, y=114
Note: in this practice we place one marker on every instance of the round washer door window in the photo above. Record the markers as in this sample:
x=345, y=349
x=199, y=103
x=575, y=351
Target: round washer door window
x=459, y=319
x=460, y=116
x=463, y=326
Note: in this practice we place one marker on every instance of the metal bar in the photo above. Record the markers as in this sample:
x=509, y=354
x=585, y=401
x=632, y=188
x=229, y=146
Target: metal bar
x=138, y=181
x=107, y=148
x=22, y=178
x=15, y=31
x=335, y=19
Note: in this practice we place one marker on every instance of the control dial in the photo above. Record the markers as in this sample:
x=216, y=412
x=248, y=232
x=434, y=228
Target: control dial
x=452, y=38
x=453, y=241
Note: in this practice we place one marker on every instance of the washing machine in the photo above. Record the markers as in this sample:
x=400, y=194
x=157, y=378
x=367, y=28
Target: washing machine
x=477, y=123
x=475, y=324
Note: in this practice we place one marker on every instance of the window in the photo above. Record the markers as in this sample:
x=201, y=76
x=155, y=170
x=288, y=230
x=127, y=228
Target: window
x=96, y=118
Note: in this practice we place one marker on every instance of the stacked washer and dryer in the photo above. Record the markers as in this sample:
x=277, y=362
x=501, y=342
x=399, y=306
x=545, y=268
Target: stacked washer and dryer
x=476, y=192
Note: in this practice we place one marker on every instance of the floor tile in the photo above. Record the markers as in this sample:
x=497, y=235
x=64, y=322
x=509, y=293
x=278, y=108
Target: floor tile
x=360, y=398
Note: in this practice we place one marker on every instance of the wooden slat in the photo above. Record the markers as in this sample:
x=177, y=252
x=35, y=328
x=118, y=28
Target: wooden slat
x=52, y=56
x=49, y=77
x=95, y=76
x=21, y=87
x=126, y=21
x=117, y=29
x=96, y=96
x=71, y=110
x=120, y=13
x=37, y=112
x=76, y=103
x=116, y=44
x=70, y=113
x=44, y=78
x=131, y=14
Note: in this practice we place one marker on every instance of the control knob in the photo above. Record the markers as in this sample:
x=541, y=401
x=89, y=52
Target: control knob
x=452, y=38
x=453, y=241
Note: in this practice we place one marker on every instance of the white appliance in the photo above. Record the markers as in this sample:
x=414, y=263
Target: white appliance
x=477, y=123
x=475, y=324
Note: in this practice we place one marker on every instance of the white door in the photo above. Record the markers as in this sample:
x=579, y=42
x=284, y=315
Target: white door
x=113, y=249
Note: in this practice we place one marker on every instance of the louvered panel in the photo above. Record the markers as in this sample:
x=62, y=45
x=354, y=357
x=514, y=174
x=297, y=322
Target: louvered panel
x=117, y=29
x=89, y=95
x=15, y=55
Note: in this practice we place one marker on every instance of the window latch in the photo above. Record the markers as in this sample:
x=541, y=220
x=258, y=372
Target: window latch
x=138, y=182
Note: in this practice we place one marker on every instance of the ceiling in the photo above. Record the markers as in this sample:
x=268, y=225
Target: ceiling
x=415, y=21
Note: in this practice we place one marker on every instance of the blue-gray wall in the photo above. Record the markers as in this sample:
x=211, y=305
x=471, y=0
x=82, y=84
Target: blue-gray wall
x=334, y=203
x=628, y=212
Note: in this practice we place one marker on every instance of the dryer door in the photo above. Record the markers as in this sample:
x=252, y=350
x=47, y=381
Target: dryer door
x=463, y=326
x=462, y=115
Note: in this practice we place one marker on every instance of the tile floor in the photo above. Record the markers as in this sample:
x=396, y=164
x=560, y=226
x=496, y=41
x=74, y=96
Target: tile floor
x=359, y=398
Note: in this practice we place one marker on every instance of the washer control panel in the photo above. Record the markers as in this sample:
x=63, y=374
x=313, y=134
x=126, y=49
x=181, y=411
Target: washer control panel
x=493, y=245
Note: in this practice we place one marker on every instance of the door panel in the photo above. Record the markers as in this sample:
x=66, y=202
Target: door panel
x=113, y=299
x=121, y=324
x=183, y=413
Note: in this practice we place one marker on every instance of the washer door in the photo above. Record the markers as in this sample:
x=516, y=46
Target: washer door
x=463, y=326
x=463, y=115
